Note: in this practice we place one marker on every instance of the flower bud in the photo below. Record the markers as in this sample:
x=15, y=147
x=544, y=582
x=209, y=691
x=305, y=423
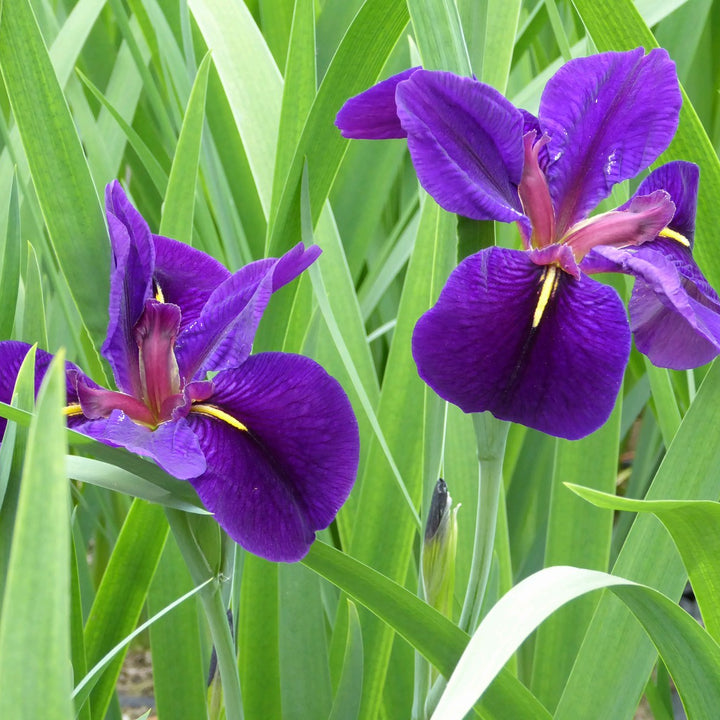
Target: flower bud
x=438, y=558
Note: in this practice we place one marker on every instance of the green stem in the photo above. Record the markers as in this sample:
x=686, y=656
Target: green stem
x=214, y=612
x=491, y=435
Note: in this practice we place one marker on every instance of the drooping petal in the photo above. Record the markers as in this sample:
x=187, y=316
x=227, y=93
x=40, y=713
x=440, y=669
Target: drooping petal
x=608, y=116
x=12, y=354
x=130, y=285
x=272, y=486
x=639, y=222
x=172, y=445
x=532, y=345
x=223, y=334
x=674, y=312
x=372, y=115
x=465, y=140
x=680, y=180
x=186, y=276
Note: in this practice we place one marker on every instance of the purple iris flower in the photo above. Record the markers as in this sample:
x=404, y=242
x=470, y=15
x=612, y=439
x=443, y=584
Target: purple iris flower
x=268, y=441
x=527, y=334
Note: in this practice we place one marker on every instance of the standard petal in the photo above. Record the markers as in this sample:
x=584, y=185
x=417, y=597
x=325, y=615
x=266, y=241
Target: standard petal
x=548, y=356
x=12, y=354
x=272, y=486
x=186, y=276
x=680, y=180
x=674, y=312
x=466, y=144
x=172, y=445
x=609, y=116
x=130, y=285
x=222, y=336
x=372, y=115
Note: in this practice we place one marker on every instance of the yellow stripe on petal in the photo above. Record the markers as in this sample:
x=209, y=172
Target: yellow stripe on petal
x=549, y=283
x=216, y=412
x=668, y=233
x=72, y=409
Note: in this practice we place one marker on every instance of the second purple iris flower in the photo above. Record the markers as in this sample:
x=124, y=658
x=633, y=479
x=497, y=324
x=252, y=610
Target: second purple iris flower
x=527, y=334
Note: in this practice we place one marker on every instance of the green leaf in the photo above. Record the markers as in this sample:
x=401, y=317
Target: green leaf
x=177, y=657
x=429, y=632
x=122, y=593
x=259, y=663
x=250, y=79
x=35, y=677
x=355, y=66
x=59, y=170
x=579, y=536
x=691, y=655
x=346, y=704
x=34, y=328
x=10, y=264
x=695, y=528
x=444, y=50
x=411, y=418
x=620, y=671
x=179, y=204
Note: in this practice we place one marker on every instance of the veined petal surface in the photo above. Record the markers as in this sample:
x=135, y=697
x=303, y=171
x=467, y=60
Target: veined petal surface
x=133, y=260
x=272, y=486
x=12, y=354
x=608, y=117
x=173, y=445
x=372, y=115
x=186, y=276
x=484, y=346
x=465, y=140
x=674, y=312
x=223, y=334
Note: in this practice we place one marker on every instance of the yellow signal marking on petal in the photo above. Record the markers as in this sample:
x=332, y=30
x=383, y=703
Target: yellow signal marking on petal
x=158, y=291
x=668, y=233
x=216, y=412
x=549, y=283
x=72, y=409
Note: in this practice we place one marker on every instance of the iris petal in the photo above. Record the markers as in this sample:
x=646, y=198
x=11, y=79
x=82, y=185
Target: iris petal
x=478, y=349
x=465, y=140
x=272, y=487
x=12, y=354
x=172, y=445
x=674, y=312
x=608, y=116
x=186, y=276
x=130, y=285
x=680, y=180
x=372, y=115
x=223, y=334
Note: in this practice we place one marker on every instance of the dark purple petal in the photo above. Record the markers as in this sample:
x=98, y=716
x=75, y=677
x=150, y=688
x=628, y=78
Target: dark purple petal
x=486, y=346
x=465, y=140
x=674, y=312
x=372, y=115
x=272, y=486
x=223, y=334
x=680, y=180
x=172, y=445
x=130, y=285
x=186, y=276
x=608, y=116
x=12, y=354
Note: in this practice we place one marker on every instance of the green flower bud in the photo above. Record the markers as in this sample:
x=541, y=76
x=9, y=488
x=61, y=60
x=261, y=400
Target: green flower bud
x=438, y=558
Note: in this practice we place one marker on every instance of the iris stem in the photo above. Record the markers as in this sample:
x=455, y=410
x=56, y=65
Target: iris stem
x=214, y=612
x=491, y=436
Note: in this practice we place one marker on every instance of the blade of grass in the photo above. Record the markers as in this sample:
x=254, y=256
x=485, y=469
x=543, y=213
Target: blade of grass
x=35, y=676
